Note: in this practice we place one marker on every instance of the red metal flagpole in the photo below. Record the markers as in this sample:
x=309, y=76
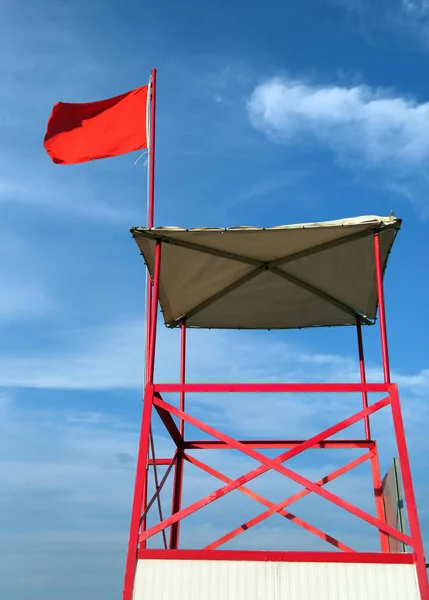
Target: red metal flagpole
x=151, y=198
x=140, y=491
x=152, y=149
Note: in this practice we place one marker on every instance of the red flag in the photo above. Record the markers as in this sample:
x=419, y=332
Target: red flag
x=79, y=133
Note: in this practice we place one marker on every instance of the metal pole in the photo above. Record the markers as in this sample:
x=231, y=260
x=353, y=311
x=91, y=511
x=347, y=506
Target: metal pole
x=381, y=307
x=144, y=504
x=363, y=377
x=151, y=203
x=410, y=500
x=152, y=337
x=152, y=150
x=178, y=469
x=182, y=373
x=139, y=493
x=140, y=490
x=378, y=495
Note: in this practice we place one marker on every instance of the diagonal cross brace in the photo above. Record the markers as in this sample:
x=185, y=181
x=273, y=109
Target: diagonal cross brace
x=268, y=464
x=159, y=488
x=169, y=424
x=280, y=506
x=279, y=509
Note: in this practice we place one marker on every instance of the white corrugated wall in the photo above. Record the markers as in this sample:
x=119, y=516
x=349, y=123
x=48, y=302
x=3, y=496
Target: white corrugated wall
x=250, y=580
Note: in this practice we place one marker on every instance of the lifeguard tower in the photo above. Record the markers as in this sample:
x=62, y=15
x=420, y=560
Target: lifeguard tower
x=306, y=275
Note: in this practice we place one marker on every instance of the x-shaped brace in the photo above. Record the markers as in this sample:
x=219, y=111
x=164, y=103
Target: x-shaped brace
x=275, y=464
x=279, y=507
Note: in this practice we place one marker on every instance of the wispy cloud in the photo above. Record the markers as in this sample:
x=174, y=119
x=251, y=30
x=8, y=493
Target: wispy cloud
x=59, y=194
x=369, y=125
x=277, y=186
x=417, y=8
x=109, y=358
x=407, y=19
x=23, y=294
x=364, y=128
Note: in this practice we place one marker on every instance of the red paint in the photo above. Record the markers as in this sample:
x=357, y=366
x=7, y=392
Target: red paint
x=170, y=425
x=378, y=496
x=275, y=464
x=154, y=318
x=179, y=468
x=138, y=495
x=161, y=462
x=151, y=206
x=182, y=374
x=152, y=150
x=292, y=388
x=268, y=556
x=363, y=377
x=278, y=508
x=410, y=500
x=381, y=307
x=157, y=486
x=177, y=499
x=144, y=503
x=273, y=444
x=148, y=323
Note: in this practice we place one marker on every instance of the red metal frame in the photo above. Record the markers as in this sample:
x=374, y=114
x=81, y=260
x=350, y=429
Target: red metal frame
x=174, y=419
x=363, y=377
x=381, y=307
x=178, y=471
x=151, y=202
x=275, y=464
x=264, y=555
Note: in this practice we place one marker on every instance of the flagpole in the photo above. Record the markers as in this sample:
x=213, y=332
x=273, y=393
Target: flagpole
x=139, y=502
x=151, y=198
x=152, y=149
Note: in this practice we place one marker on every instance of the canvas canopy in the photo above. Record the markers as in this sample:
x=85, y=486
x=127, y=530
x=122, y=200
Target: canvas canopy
x=291, y=276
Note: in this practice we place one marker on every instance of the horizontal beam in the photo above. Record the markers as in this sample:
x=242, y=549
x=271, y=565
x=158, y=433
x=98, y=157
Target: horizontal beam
x=328, y=444
x=159, y=462
x=272, y=387
x=402, y=558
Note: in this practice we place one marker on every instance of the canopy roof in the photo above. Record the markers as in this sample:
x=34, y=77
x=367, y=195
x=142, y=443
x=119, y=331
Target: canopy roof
x=291, y=276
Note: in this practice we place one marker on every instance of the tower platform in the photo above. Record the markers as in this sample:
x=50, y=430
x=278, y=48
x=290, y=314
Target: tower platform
x=307, y=275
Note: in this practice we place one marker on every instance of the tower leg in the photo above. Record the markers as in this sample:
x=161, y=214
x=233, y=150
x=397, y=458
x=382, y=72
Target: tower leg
x=379, y=504
x=410, y=499
x=139, y=493
x=180, y=457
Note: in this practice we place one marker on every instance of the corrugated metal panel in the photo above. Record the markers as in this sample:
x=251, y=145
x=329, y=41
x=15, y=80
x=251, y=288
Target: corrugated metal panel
x=249, y=580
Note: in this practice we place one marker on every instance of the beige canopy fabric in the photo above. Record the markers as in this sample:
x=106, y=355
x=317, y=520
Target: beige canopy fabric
x=291, y=276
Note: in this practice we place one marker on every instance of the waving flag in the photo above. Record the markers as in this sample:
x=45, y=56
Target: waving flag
x=78, y=133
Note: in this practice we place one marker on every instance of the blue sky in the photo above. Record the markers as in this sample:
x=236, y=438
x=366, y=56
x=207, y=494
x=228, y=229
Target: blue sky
x=272, y=114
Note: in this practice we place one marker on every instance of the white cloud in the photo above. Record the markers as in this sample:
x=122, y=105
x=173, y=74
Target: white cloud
x=59, y=193
x=361, y=124
x=23, y=293
x=22, y=300
x=406, y=19
x=111, y=356
x=106, y=358
x=416, y=8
